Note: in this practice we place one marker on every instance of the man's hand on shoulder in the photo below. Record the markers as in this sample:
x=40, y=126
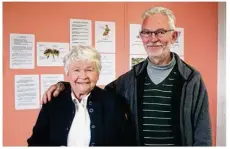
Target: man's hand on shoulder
x=54, y=90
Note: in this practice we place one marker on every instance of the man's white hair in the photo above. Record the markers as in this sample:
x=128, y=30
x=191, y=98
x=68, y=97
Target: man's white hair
x=161, y=10
x=81, y=52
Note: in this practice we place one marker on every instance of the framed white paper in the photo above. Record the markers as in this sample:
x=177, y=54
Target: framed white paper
x=80, y=32
x=105, y=36
x=135, y=44
x=49, y=79
x=51, y=53
x=26, y=92
x=107, y=74
x=22, y=51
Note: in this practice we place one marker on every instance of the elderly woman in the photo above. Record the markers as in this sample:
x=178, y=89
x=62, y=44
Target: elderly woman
x=84, y=114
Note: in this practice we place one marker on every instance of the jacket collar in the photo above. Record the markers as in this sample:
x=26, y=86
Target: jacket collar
x=96, y=92
x=184, y=69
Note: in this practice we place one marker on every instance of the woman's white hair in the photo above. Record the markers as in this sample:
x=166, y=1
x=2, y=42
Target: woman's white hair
x=161, y=10
x=81, y=52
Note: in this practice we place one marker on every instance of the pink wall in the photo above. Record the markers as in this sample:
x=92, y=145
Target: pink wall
x=50, y=23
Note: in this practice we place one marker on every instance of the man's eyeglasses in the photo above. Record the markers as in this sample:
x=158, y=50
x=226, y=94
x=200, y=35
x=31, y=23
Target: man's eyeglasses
x=158, y=33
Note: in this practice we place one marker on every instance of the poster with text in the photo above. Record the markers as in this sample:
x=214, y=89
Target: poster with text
x=135, y=44
x=80, y=32
x=107, y=74
x=22, y=51
x=105, y=36
x=26, y=92
x=49, y=79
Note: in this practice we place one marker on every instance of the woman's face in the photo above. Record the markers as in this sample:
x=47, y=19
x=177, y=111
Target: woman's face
x=82, y=76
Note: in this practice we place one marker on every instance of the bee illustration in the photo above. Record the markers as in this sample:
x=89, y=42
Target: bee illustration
x=106, y=31
x=53, y=52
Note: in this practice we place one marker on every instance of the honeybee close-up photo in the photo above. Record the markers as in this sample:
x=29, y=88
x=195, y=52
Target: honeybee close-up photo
x=53, y=52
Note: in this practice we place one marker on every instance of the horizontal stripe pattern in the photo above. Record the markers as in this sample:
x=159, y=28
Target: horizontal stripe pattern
x=157, y=112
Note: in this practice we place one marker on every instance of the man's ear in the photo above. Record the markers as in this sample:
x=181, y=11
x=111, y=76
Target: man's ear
x=175, y=35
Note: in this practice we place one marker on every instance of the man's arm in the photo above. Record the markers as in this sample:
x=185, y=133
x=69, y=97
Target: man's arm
x=54, y=90
x=111, y=86
x=127, y=135
x=202, y=123
x=117, y=86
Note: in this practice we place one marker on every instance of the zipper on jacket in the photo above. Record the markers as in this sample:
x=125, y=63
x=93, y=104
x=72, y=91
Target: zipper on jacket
x=136, y=115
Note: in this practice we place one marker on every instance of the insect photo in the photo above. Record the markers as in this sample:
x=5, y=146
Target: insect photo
x=53, y=52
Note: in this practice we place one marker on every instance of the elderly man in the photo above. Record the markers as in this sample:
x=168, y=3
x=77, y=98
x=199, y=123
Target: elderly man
x=167, y=97
x=84, y=114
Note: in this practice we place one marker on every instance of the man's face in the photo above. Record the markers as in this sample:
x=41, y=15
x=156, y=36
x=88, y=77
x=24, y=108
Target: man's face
x=158, y=43
x=82, y=76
